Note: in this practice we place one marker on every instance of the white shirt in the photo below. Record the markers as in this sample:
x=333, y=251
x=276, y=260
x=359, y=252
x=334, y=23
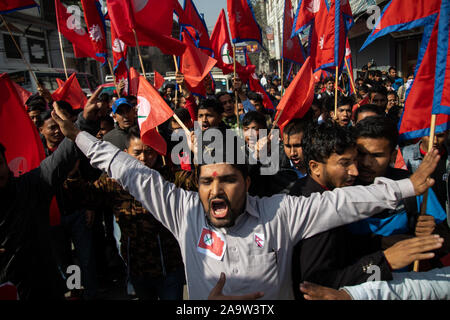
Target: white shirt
x=257, y=251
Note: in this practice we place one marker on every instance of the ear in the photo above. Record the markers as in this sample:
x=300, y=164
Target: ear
x=248, y=181
x=125, y=150
x=315, y=167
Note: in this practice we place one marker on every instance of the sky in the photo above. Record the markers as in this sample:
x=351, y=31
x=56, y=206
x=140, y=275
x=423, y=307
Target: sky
x=211, y=10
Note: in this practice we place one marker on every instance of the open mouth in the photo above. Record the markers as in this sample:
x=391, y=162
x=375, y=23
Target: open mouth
x=219, y=208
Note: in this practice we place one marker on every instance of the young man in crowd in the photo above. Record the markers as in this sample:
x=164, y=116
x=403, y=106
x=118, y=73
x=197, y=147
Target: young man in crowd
x=125, y=116
x=248, y=245
x=367, y=110
x=378, y=96
x=332, y=258
x=344, y=111
x=150, y=251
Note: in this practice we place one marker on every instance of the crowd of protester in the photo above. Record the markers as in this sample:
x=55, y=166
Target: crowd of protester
x=127, y=245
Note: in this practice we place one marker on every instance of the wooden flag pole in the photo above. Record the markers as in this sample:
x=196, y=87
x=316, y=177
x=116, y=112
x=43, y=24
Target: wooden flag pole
x=21, y=53
x=114, y=78
x=423, y=209
x=139, y=53
x=282, y=76
x=350, y=76
x=236, y=109
x=336, y=92
x=176, y=71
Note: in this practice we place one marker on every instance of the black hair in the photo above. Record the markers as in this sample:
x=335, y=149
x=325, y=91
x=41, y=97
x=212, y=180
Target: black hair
x=328, y=104
x=108, y=119
x=294, y=126
x=133, y=133
x=255, y=96
x=104, y=97
x=221, y=94
x=369, y=108
x=392, y=93
x=44, y=116
x=378, y=73
x=36, y=102
x=363, y=88
x=392, y=68
x=371, y=73
x=345, y=101
x=378, y=89
x=208, y=148
x=377, y=127
x=64, y=105
x=254, y=116
x=183, y=114
x=3, y=151
x=213, y=104
x=322, y=140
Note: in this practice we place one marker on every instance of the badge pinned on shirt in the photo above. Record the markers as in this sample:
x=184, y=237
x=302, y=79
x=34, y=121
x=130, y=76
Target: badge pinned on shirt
x=259, y=239
x=212, y=243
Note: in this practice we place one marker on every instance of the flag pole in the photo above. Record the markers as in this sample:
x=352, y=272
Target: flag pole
x=62, y=54
x=350, y=76
x=114, y=77
x=176, y=70
x=423, y=209
x=336, y=92
x=282, y=76
x=236, y=109
x=21, y=53
x=139, y=53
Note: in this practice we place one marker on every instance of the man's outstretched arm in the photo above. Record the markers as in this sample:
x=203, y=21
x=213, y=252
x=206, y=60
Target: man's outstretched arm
x=161, y=198
x=431, y=285
x=320, y=212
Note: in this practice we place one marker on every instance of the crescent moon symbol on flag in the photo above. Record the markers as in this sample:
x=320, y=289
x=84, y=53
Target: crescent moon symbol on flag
x=144, y=109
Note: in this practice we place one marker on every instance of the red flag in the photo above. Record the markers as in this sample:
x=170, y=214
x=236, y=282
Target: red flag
x=158, y=80
x=7, y=6
x=25, y=151
x=223, y=51
x=329, y=29
x=194, y=64
x=255, y=85
x=152, y=111
x=152, y=21
x=71, y=92
x=298, y=96
x=196, y=26
x=400, y=162
x=292, y=48
x=96, y=25
x=23, y=94
x=134, y=81
x=74, y=32
x=211, y=243
x=120, y=69
x=243, y=25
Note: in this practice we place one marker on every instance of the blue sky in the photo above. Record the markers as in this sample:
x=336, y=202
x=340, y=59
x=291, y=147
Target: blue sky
x=211, y=10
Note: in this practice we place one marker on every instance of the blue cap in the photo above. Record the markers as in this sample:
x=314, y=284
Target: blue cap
x=118, y=103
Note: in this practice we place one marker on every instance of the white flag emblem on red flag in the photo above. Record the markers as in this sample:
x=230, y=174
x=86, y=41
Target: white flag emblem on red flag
x=259, y=240
x=212, y=244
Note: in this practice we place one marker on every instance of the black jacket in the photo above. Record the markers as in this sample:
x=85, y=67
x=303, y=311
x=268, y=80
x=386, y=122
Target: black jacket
x=24, y=225
x=329, y=258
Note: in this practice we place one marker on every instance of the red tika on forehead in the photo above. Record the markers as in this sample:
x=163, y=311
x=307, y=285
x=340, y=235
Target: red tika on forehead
x=214, y=174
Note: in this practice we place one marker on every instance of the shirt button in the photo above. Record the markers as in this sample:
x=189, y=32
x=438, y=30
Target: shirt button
x=234, y=249
x=235, y=270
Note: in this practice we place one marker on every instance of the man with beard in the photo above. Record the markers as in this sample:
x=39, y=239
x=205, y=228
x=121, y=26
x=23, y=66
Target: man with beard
x=222, y=230
x=329, y=258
